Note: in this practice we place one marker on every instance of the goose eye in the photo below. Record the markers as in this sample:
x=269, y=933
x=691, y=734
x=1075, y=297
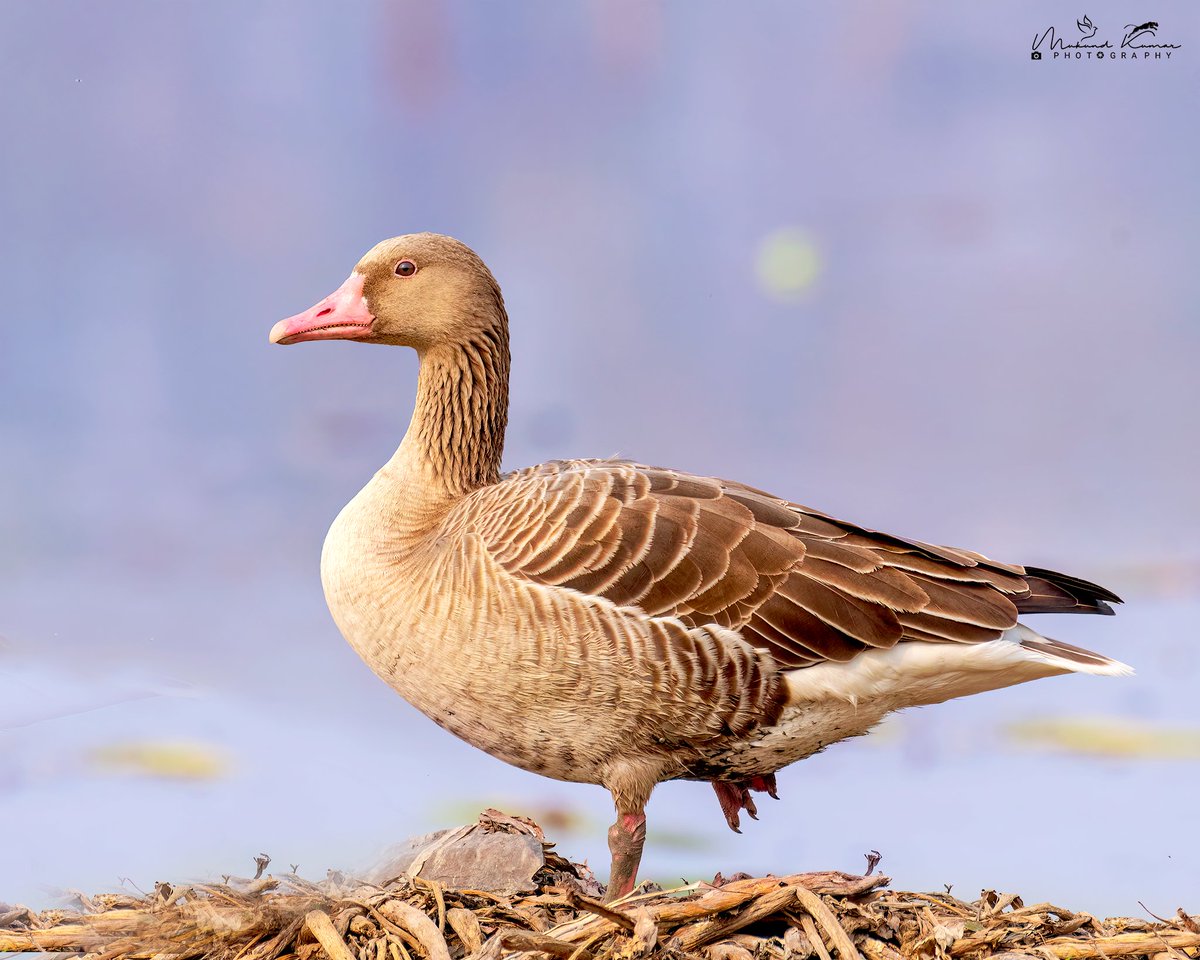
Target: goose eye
x=405, y=268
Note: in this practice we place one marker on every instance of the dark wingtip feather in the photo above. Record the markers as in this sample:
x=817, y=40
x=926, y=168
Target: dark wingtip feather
x=1053, y=592
x=1086, y=589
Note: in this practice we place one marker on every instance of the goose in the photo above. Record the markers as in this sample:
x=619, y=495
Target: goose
x=608, y=622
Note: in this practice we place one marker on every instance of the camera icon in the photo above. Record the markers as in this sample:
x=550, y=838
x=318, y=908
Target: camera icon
x=1036, y=55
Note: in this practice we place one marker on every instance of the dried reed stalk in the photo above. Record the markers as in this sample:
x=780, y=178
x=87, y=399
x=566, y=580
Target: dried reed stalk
x=808, y=916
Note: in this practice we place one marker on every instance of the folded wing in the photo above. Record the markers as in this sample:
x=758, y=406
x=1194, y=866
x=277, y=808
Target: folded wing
x=803, y=585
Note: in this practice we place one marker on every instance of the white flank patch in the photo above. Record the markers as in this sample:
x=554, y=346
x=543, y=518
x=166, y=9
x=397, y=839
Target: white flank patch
x=916, y=673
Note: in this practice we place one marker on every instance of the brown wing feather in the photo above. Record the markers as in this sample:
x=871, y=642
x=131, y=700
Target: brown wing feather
x=796, y=582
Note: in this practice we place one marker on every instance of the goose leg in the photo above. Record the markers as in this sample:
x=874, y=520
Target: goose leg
x=626, y=838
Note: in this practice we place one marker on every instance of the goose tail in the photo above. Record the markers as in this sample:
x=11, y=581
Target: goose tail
x=1067, y=656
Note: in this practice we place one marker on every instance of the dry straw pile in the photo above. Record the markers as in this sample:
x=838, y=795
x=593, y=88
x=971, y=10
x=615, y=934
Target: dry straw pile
x=812, y=915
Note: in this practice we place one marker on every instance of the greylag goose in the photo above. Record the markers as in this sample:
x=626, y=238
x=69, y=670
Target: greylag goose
x=607, y=622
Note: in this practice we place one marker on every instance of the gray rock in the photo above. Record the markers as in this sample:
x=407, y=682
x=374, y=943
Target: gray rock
x=467, y=858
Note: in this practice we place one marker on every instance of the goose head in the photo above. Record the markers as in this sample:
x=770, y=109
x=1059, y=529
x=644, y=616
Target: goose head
x=418, y=291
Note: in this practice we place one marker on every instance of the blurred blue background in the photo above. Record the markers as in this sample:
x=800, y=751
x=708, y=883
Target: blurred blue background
x=868, y=257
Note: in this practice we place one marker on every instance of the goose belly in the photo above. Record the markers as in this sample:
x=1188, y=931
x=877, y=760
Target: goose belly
x=803, y=729
x=492, y=702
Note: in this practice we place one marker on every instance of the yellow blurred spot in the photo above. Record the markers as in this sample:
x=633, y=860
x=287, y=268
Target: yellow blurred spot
x=1108, y=737
x=788, y=263
x=682, y=840
x=553, y=818
x=173, y=760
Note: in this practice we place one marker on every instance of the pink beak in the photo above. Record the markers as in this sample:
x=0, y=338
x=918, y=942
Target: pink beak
x=343, y=315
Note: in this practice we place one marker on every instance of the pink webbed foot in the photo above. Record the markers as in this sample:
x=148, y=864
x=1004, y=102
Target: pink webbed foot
x=734, y=796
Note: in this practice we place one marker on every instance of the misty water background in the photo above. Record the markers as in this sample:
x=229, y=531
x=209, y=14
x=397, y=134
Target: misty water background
x=873, y=259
